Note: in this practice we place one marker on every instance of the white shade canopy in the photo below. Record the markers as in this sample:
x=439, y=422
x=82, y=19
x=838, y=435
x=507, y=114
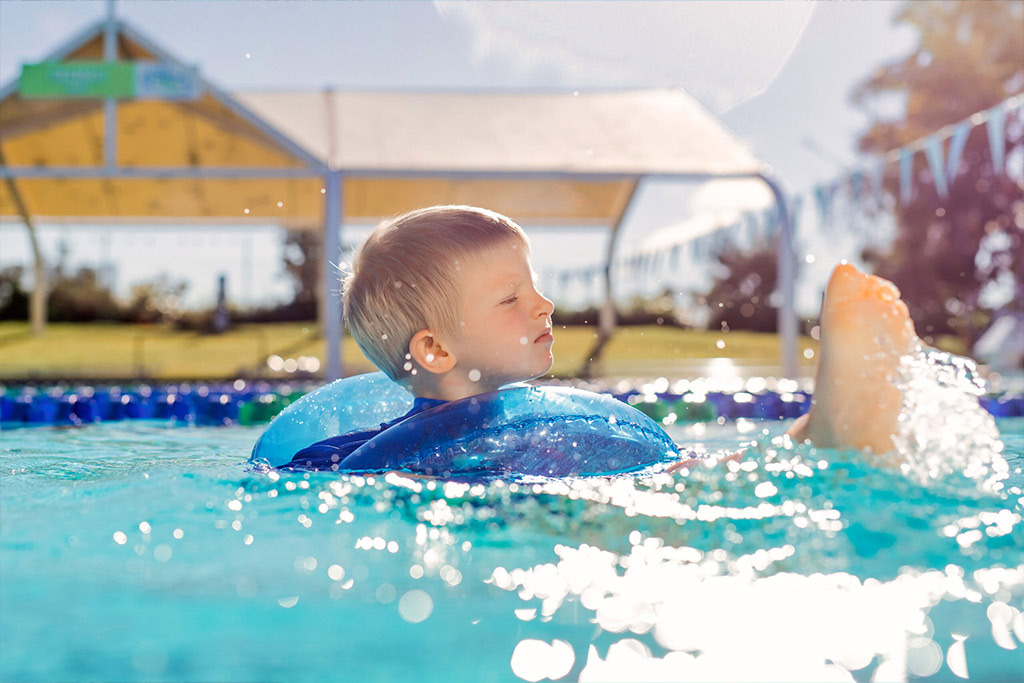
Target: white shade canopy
x=317, y=159
x=631, y=133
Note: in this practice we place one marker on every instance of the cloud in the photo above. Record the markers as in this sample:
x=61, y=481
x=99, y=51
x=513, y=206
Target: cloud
x=722, y=53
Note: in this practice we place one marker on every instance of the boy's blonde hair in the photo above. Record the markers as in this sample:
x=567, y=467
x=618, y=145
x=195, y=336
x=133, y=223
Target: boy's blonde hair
x=405, y=277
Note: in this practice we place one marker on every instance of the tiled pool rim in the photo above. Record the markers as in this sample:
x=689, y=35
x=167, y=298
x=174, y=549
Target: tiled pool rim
x=240, y=402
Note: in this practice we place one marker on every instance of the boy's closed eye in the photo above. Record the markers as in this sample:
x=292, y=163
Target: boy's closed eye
x=510, y=300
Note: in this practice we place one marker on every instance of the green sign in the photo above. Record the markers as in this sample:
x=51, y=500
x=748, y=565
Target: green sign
x=120, y=80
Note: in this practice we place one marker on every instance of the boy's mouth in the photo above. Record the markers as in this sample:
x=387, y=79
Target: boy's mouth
x=544, y=337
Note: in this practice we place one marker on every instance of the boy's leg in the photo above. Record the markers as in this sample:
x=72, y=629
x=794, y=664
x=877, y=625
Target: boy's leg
x=865, y=329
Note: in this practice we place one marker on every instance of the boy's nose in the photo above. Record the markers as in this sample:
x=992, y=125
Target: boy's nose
x=545, y=307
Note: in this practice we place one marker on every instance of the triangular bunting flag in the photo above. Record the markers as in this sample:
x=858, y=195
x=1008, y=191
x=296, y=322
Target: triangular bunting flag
x=933, y=151
x=856, y=185
x=996, y=124
x=956, y=149
x=823, y=195
x=906, y=175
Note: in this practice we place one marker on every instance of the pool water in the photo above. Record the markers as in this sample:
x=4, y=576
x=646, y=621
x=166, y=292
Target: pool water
x=143, y=551
x=140, y=551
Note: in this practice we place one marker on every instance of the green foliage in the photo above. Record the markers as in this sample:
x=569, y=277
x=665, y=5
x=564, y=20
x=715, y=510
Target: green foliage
x=740, y=296
x=969, y=57
x=13, y=299
x=80, y=296
x=156, y=300
x=302, y=255
x=160, y=352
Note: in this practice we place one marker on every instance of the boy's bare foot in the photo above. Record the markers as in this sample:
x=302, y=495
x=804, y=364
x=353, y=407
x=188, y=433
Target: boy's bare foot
x=865, y=329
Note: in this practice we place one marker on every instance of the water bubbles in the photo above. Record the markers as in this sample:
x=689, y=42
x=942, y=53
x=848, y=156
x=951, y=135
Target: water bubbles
x=144, y=527
x=289, y=601
x=120, y=538
x=162, y=552
x=956, y=656
x=407, y=366
x=415, y=606
x=450, y=575
x=385, y=594
x=720, y=343
x=533, y=660
x=524, y=341
x=943, y=428
x=474, y=375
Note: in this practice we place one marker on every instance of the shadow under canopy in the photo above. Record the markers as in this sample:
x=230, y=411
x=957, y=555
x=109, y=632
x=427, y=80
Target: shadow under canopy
x=316, y=159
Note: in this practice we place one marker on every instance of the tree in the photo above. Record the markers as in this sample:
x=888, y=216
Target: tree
x=13, y=299
x=156, y=300
x=302, y=254
x=80, y=295
x=740, y=297
x=947, y=252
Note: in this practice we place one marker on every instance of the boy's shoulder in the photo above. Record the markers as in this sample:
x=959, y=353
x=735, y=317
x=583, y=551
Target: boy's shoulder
x=329, y=453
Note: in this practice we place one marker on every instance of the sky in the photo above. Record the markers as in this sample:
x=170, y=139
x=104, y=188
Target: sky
x=778, y=74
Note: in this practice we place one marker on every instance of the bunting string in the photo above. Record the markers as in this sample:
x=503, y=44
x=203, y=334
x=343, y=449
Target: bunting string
x=943, y=152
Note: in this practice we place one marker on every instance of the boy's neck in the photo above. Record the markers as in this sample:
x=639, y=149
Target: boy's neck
x=447, y=387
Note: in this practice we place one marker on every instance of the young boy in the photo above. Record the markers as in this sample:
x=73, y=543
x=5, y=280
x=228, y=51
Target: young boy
x=443, y=300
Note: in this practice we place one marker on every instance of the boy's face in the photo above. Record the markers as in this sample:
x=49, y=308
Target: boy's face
x=506, y=321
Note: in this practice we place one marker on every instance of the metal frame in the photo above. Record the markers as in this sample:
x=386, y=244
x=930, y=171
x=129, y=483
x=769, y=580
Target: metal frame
x=786, y=265
x=333, y=224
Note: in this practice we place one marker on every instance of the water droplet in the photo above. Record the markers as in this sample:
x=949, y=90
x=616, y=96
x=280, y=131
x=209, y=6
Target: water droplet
x=415, y=606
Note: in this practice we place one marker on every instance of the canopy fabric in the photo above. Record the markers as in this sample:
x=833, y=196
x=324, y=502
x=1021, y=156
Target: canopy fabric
x=544, y=158
x=318, y=159
x=298, y=203
x=629, y=133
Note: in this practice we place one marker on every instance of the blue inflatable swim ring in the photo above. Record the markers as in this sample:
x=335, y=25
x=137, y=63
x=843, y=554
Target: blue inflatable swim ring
x=516, y=431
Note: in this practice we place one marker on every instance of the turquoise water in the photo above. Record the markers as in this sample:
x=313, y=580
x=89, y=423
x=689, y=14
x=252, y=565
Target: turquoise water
x=137, y=551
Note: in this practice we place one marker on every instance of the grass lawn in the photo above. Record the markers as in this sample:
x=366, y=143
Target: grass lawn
x=94, y=351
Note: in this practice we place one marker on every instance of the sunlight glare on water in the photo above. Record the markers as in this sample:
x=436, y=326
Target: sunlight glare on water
x=795, y=564
x=943, y=428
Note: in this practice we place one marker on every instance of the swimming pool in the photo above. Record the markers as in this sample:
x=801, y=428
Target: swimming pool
x=140, y=551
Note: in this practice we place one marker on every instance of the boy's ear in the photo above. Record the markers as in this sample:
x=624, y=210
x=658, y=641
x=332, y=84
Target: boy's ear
x=428, y=353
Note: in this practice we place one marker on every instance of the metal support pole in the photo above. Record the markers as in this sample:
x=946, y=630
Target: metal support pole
x=110, y=104
x=37, y=299
x=786, y=263
x=606, y=314
x=330, y=309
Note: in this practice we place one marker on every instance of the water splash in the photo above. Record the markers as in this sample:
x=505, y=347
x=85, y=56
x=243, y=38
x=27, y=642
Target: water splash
x=943, y=428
